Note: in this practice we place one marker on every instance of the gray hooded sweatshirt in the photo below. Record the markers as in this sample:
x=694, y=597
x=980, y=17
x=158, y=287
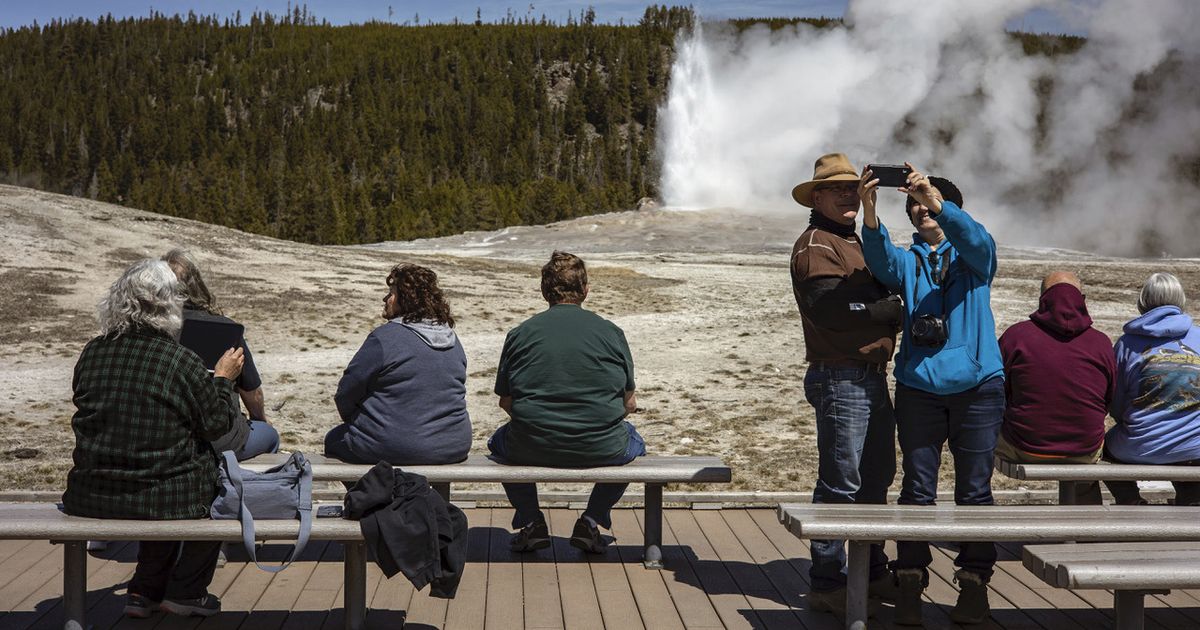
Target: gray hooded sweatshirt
x=404, y=396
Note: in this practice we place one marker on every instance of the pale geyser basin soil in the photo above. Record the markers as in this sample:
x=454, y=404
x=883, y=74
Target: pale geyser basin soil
x=704, y=298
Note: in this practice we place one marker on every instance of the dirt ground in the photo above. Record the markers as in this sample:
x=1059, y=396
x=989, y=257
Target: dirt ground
x=704, y=298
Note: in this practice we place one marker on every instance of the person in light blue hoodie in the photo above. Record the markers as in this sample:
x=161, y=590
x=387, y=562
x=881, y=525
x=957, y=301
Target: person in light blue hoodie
x=1157, y=399
x=402, y=398
x=949, y=373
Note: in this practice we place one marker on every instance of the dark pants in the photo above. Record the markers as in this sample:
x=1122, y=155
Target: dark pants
x=336, y=447
x=856, y=456
x=174, y=570
x=970, y=422
x=524, y=498
x=1127, y=493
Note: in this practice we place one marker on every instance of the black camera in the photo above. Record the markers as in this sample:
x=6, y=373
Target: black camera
x=929, y=331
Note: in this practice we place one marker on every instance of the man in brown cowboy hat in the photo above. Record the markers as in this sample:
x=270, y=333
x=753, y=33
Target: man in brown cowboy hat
x=850, y=326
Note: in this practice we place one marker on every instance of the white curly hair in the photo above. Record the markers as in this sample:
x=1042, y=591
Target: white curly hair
x=147, y=295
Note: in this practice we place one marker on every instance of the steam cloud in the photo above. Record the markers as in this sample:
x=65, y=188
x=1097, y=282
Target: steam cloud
x=1106, y=163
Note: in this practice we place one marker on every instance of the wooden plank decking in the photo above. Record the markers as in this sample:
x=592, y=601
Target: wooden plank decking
x=725, y=569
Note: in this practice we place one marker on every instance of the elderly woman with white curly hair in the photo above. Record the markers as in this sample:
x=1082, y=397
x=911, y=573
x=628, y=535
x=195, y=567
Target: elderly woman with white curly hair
x=1157, y=399
x=146, y=409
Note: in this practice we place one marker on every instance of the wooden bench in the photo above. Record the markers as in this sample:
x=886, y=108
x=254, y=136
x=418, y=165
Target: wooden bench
x=44, y=521
x=1130, y=570
x=1067, y=474
x=655, y=471
x=862, y=524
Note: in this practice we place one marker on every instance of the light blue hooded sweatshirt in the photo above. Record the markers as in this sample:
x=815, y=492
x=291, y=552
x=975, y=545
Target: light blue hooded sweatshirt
x=971, y=354
x=1157, y=400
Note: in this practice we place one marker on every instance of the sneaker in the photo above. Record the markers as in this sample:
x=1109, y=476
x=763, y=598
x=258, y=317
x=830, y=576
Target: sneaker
x=97, y=545
x=139, y=606
x=532, y=537
x=587, y=537
x=910, y=584
x=206, y=606
x=835, y=602
x=221, y=559
x=883, y=588
x=972, y=606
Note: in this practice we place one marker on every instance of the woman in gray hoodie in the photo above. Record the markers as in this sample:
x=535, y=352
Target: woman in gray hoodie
x=402, y=399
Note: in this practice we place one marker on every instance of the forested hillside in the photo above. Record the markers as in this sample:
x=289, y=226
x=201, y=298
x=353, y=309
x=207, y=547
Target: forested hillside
x=311, y=132
x=297, y=129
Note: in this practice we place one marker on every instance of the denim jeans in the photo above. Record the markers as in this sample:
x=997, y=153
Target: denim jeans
x=856, y=456
x=524, y=498
x=263, y=438
x=970, y=422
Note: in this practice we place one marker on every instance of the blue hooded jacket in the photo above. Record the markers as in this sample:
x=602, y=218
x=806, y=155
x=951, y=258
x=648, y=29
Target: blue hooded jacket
x=404, y=395
x=1157, y=402
x=971, y=354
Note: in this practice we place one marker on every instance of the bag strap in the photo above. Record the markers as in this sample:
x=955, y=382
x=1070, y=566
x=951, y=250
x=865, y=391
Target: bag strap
x=304, y=507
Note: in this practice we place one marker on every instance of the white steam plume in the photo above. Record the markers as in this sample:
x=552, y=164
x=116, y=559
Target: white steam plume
x=1107, y=162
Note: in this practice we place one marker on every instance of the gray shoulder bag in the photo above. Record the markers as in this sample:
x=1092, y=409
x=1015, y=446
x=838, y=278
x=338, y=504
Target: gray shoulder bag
x=281, y=492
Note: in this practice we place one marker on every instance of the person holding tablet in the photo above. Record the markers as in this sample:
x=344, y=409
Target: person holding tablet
x=208, y=333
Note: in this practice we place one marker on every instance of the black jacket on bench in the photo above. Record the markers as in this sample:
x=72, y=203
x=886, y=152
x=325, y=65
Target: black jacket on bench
x=411, y=528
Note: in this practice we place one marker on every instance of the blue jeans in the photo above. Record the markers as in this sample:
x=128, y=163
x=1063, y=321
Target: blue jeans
x=524, y=498
x=856, y=455
x=263, y=438
x=970, y=421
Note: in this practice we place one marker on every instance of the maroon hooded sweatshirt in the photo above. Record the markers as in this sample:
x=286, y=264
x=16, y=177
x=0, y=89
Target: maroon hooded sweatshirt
x=1059, y=378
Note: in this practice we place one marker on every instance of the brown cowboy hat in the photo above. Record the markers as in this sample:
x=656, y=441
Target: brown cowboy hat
x=832, y=167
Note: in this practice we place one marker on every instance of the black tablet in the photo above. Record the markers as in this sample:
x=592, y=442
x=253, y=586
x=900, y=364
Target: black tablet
x=210, y=339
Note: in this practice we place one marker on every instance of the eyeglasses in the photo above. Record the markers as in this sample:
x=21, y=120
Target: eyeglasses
x=840, y=189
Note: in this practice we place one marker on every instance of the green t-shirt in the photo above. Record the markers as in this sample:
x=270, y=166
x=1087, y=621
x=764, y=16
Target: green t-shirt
x=567, y=370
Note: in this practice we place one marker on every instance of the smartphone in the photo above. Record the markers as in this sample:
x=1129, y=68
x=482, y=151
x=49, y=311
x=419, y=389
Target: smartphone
x=329, y=511
x=890, y=175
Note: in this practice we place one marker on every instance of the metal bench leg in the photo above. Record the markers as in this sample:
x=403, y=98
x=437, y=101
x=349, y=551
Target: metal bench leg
x=74, y=583
x=355, y=565
x=1066, y=493
x=858, y=568
x=652, y=554
x=1130, y=609
x=442, y=488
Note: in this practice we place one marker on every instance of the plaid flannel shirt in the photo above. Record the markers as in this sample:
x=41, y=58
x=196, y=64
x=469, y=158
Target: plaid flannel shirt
x=146, y=411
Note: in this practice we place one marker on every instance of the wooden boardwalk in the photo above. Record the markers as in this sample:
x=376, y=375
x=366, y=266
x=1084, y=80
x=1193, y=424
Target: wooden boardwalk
x=725, y=569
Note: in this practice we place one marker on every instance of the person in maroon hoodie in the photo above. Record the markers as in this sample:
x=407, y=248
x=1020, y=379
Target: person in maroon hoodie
x=1059, y=379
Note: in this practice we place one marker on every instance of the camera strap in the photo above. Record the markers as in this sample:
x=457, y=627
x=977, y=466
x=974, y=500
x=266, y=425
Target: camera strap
x=937, y=273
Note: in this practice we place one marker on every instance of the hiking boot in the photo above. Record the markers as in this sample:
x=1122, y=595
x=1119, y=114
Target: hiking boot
x=972, y=606
x=532, y=537
x=910, y=583
x=139, y=606
x=587, y=537
x=883, y=588
x=835, y=602
x=206, y=606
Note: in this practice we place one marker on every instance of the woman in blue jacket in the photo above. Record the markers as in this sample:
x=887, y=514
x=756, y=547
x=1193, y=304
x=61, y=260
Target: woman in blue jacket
x=1157, y=399
x=403, y=398
x=949, y=374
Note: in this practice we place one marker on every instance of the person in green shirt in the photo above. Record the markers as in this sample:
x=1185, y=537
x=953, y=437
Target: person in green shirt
x=566, y=381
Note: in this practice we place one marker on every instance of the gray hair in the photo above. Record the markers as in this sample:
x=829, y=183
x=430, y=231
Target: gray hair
x=146, y=295
x=1161, y=289
x=188, y=272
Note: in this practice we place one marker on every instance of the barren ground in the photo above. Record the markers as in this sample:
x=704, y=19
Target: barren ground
x=704, y=298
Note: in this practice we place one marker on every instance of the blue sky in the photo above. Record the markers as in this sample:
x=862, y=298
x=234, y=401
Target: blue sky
x=15, y=14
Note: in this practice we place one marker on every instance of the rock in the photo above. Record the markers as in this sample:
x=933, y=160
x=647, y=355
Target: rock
x=648, y=203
